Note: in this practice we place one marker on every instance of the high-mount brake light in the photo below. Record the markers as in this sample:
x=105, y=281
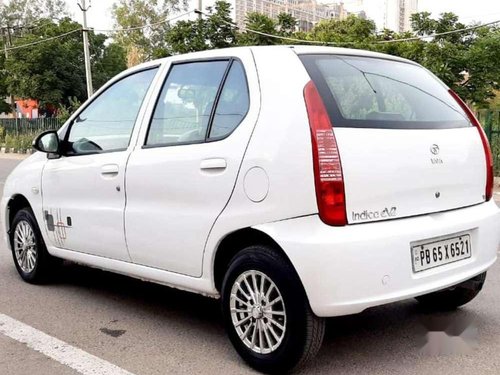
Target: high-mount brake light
x=329, y=180
x=486, y=146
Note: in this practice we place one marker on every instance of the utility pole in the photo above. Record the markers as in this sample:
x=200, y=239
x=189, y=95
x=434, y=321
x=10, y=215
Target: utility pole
x=86, y=53
x=7, y=44
x=200, y=8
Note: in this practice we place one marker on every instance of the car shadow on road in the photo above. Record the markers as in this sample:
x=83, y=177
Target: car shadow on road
x=378, y=340
x=134, y=293
x=370, y=342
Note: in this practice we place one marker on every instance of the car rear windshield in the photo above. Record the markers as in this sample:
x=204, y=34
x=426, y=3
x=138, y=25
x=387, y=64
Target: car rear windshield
x=366, y=92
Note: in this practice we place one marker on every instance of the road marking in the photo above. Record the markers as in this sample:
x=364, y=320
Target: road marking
x=77, y=359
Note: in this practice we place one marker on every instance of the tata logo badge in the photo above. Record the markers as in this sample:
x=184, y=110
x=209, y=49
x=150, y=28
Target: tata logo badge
x=434, y=149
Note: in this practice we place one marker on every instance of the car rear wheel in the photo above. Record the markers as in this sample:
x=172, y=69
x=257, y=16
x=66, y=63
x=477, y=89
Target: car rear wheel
x=266, y=312
x=455, y=296
x=31, y=258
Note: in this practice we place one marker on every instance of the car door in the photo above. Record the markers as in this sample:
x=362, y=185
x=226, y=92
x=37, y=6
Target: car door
x=181, y=176
x=83, y=190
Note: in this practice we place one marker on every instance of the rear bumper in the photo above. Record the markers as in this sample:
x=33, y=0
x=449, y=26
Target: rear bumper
x=346, y=270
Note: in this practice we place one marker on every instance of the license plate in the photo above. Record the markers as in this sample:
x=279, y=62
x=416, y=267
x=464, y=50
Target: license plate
x=429, y=254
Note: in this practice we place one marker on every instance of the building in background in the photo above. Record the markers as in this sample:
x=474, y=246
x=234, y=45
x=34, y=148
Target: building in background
x=27, y=108
x=397, y=15
x=356, y=7
x=307, y=12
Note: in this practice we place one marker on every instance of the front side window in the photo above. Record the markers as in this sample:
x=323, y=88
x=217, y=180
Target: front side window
x=106, y=124
x=185, y=104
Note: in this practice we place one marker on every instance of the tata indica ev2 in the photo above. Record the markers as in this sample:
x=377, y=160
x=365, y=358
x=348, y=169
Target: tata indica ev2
x=293, y=183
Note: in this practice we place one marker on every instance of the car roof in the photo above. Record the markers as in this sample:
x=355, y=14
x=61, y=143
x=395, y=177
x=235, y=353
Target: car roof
x=299, y=49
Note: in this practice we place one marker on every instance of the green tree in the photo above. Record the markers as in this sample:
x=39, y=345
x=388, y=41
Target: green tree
x=185, y=37
x=23, y=15
x=219, y=26
x=482, y=79
x=262, y=24
x=465, y=60
x=19, y=17
x=213, y=31
x=49, y=71
x=4, y=106
x=108, y=60
x=146, y=42
x=287, y=24
x=53, y=71
x=352, y=31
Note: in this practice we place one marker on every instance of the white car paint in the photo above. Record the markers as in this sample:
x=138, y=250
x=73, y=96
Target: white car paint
x=173, y=214
x=347, y=270
x=399, y=172
x=87, y=187
x=180, y=190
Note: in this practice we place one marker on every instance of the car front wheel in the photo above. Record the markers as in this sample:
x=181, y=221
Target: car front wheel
x=266, y=312
x=31, y=258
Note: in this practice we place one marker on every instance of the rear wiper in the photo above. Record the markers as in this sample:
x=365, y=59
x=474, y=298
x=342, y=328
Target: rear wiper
x=362, y=72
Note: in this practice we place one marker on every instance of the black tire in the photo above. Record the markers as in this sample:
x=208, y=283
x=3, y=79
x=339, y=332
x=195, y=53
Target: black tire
x=44, y=263
x=456, y=296
x=304, y=331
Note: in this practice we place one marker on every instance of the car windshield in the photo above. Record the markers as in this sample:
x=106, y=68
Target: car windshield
x=377, y=93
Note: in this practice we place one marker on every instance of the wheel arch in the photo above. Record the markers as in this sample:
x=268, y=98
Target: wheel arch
x=236, y=241
x=15, y=203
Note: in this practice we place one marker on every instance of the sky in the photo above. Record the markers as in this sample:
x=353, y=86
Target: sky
x=99, y=15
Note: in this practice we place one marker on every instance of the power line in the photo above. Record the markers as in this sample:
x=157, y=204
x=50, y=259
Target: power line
x=440, y=34
x=43, y=40
x=244, y=28
x=276, y=36
x=99, y=30
x=150, y=25
x=256, y=32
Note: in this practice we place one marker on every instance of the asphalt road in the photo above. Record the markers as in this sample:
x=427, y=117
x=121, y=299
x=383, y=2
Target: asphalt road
x=150, y=329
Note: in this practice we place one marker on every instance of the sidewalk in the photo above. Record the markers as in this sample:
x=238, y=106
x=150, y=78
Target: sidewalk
x=13, y=156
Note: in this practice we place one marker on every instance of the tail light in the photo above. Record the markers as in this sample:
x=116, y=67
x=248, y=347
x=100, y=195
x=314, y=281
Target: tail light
x=328, y=177
x=487, y=150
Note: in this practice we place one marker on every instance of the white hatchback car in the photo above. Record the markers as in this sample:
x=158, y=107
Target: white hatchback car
x=296, y=183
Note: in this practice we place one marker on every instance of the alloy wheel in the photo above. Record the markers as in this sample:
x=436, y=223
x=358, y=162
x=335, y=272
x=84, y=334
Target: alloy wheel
x=258, y=312
x=25, y=248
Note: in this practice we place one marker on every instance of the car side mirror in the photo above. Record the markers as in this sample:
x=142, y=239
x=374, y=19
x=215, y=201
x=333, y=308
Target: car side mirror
x=47, y=142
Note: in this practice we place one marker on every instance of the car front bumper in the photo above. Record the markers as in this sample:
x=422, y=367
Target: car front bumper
x=346, y=270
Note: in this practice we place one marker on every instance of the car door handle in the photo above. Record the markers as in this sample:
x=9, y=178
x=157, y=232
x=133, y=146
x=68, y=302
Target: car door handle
x=216, y=163
x=110, y=170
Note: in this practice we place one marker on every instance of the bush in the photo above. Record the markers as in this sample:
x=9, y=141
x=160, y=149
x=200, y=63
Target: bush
x=19, y=142
x=65, y=112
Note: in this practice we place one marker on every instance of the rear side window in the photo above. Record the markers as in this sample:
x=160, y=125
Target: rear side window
x=233, y=103
x=183, y=110
x=368, y=92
